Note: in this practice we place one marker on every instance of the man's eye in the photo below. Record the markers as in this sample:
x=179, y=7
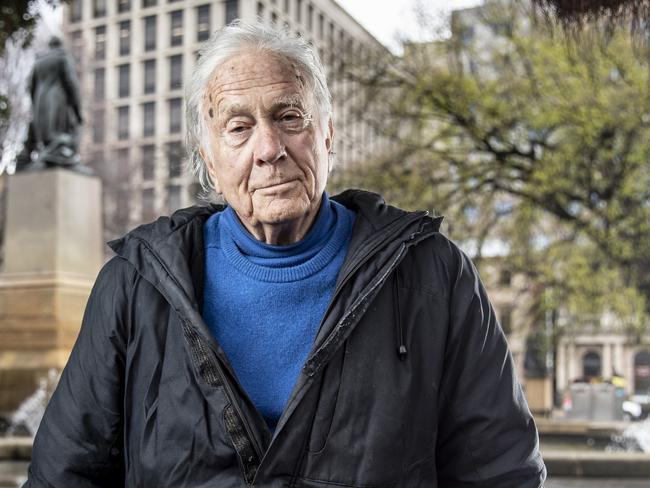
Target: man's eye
x=237, y=129
x=292, y=119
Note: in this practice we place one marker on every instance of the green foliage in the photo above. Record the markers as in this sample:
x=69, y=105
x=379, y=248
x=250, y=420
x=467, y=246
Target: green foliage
x=540, y=143
x=13, y=16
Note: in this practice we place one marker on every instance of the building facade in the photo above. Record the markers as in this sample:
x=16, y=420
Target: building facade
x=133, y=59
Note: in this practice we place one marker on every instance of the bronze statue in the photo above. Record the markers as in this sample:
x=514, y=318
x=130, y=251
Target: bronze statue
x=56, y=113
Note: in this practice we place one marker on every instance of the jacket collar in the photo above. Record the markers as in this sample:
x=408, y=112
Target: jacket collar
x=169, y=252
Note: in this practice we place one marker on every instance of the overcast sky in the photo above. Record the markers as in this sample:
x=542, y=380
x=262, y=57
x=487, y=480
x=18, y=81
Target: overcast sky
x=387, y=18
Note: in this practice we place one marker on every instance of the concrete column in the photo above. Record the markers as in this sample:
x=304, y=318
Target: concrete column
x=629, y=353
x=572, y=362
x=607, y=360
x=561, y=367
x=618, y=363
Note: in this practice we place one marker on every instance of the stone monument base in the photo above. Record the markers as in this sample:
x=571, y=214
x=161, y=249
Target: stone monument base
x=53, y=251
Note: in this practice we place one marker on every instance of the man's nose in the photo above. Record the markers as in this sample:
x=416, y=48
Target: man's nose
x=269, y=145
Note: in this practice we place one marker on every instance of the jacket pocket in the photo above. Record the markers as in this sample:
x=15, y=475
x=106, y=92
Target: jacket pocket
x=327, y=401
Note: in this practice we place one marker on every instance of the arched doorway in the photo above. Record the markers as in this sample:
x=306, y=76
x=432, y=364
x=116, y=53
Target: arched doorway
x=642, y=372
x=591, y=365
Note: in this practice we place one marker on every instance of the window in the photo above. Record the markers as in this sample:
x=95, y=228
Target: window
x=123, y=5
x=321, y=26
x=175, y=72
x=175, y=115
x=122, y=123
x=298, y=11
x=75, y=10
x=232, y=10
x=150, y=33
x=642, y=373
x=100, y=84
x=123, y=78
x=148, y=119
x=98, y=126
x=274, y=18
x=174, y=198
x=310, y=17
x=148, y=162
x=176, y=21
x=286, y=6
x=260, y=11
x=119, y=194
x=149, y=3
x=591, y=367
x=202, y=22
x=77, y=47
x=150, y=76
x=125, y=37
x=175, y=155
x=148, y=204
x=100, y=42
x=99, y=8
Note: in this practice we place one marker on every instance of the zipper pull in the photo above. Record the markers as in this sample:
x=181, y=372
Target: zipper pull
x=401, y=352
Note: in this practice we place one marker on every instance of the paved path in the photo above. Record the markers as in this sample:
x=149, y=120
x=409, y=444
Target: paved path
x=596, y=483
x=12, y=474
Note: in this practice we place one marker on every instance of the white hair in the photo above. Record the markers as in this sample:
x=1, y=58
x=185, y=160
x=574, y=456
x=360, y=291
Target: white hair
x=227, y=42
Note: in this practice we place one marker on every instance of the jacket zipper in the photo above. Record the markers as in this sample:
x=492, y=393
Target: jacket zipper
x=314, y=364
x=321, y=350
x=212, y=361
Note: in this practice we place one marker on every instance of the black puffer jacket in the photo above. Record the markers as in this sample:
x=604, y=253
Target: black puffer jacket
x=409, y=383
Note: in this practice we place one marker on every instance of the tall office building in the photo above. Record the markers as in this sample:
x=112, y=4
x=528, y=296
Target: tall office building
x=134, y=57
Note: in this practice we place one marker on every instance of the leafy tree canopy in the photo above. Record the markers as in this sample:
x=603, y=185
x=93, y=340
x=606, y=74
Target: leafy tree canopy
x=516, y=134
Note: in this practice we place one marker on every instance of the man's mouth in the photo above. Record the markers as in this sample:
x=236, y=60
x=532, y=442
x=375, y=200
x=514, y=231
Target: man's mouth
x=277, y=185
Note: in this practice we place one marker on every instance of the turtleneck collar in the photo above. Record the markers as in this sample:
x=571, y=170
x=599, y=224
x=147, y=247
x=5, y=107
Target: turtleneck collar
x=292, y=262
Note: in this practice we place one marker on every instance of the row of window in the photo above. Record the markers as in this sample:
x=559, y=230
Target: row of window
x=175, y=110
x=173, y=155
x=298, y=12
x=149, y=78
x=149, y=24
x=99, y=8
x=149, y=211
x=202, y=24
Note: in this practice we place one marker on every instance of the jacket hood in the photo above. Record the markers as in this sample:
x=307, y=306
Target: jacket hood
x=169, y=252
x=174, y=243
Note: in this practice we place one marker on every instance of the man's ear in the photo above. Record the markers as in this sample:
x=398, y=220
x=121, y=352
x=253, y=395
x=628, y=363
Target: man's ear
x=209, y=164
x=329, y=137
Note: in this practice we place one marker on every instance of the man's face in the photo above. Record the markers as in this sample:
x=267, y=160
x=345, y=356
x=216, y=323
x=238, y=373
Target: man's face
x=268, y=151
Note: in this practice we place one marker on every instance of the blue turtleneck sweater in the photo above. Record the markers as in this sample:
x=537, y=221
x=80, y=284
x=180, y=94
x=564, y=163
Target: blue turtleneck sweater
x=264, y=303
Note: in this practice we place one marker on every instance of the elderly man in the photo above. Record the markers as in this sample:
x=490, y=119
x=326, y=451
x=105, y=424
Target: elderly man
x=286, y=339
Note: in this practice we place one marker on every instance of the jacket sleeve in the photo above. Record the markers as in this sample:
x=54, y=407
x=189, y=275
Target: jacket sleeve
x=487, y=436
x=79, y=441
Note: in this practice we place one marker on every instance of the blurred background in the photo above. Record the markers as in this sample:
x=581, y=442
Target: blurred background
x=525, y=123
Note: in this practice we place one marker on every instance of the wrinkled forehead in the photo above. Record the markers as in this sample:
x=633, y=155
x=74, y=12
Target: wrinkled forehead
x=269, y=74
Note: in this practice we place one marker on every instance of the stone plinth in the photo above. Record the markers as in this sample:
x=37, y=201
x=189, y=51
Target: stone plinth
x=52, y=253
x=539, y=394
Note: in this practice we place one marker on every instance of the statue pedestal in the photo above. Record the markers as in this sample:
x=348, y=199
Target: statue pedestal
x=52, y=254
x=539, y=394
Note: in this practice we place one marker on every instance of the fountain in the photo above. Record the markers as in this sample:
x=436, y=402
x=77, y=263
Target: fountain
x=27, y=417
